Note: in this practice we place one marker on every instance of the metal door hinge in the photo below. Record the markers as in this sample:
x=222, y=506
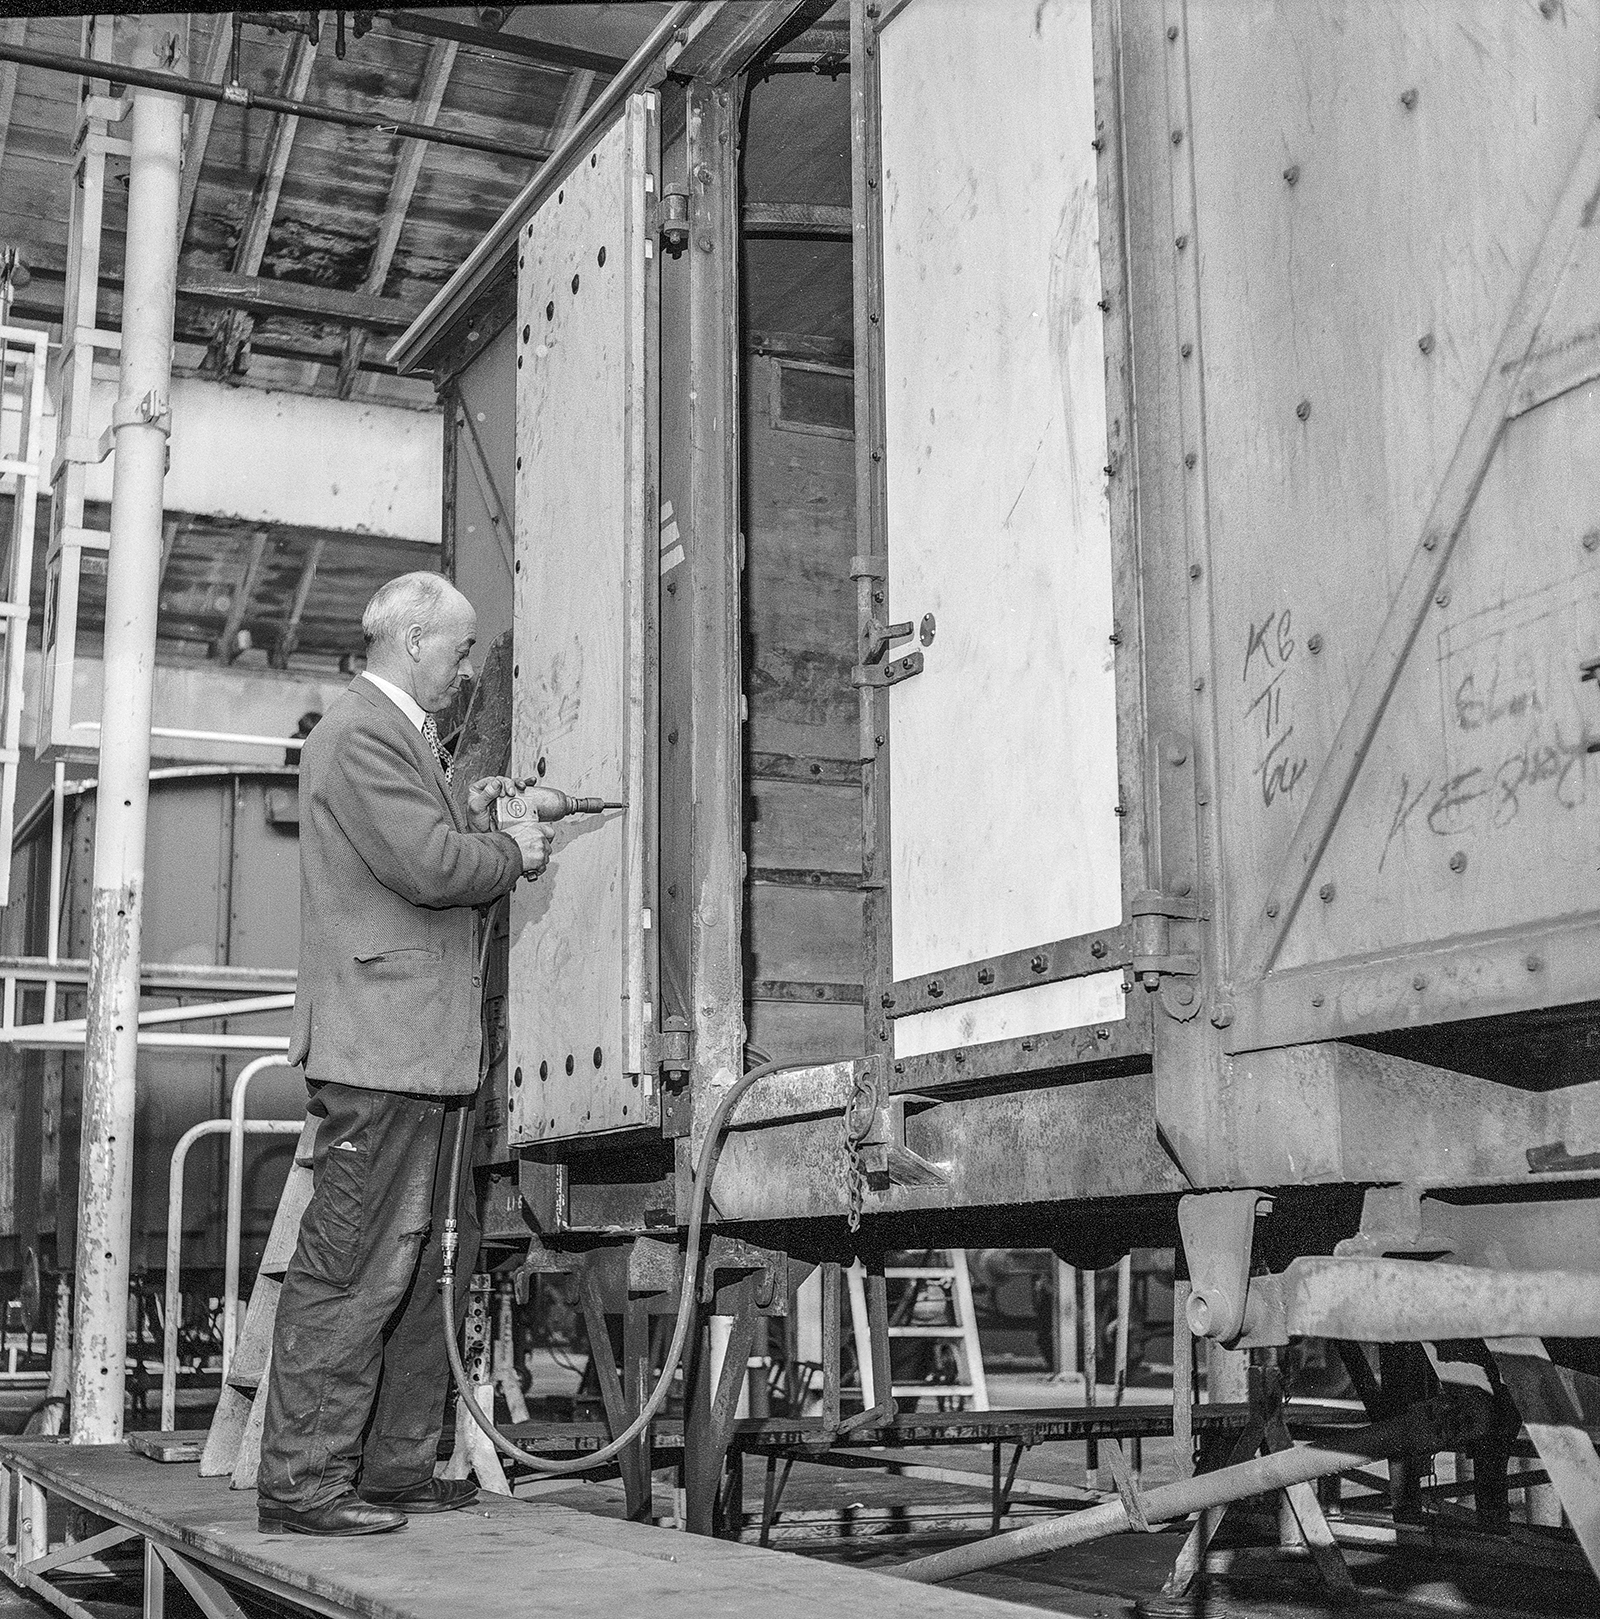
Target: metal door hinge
x=673, y=1046
x=1155, y=962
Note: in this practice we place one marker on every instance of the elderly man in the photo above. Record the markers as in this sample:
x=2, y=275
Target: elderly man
x=387, y=1030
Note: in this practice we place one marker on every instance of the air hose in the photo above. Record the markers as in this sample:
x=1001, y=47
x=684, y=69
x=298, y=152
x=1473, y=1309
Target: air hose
x=699, y=1195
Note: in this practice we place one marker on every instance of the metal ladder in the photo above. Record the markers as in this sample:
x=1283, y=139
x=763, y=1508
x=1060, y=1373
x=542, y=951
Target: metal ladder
x=954, y=1281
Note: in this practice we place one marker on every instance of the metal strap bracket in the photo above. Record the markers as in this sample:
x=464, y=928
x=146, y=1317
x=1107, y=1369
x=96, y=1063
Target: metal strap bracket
x=891, y=673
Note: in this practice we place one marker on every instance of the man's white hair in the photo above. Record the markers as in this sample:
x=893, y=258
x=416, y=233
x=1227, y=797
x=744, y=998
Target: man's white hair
x=413, y=598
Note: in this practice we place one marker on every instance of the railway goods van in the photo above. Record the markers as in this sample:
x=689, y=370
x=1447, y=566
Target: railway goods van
x=1075, y=531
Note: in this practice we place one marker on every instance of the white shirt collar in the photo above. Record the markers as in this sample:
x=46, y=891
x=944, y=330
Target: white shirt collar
x=404, y=701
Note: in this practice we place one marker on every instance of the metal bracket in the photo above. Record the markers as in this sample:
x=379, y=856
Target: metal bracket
x=153, y=410
x=888, y=674
x=1218, y=1230
x=875, y=1128
x=877, y=638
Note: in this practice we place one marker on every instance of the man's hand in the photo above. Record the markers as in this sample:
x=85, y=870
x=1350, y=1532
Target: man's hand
x=533, y=839
x=481, y=798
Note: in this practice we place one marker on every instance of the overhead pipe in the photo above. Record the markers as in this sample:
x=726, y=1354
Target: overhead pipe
x=141, y=421
x=239, y=95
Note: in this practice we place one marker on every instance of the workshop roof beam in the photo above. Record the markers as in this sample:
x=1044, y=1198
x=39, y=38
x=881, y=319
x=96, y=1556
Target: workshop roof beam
x=408, y=168
x=201, y=116
x=12, y=32
x=234, y=332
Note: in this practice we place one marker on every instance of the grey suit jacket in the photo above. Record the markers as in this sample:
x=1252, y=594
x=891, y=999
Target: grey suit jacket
x=388, y=994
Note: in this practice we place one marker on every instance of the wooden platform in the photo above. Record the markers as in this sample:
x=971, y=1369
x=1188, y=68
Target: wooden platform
x=475, y=1561
x=1032, y=1426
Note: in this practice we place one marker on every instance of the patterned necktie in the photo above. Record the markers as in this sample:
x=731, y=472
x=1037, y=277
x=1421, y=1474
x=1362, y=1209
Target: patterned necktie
x=430, y=735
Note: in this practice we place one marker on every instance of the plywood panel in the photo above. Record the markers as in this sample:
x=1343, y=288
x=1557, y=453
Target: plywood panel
x=580, y=988
x=1003, y=770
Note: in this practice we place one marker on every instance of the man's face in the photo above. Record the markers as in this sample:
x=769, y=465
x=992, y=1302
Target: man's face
x=442, y=654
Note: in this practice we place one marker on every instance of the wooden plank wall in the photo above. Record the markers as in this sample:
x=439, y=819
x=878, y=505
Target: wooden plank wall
x=803, y=843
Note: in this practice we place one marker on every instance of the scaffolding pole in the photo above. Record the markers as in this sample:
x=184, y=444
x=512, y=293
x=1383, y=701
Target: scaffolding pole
x=140, y=425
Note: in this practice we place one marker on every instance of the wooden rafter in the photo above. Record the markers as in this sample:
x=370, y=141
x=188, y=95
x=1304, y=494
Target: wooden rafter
x=14, y=32
x=227, y=648
x=573, y=100
x=408, y=167
x=252, y=248
x=289, y=630
x=201, y=116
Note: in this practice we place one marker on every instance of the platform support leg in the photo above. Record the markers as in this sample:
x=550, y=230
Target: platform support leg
x=708, y=1426
x=632, y=1465
x=210, y=1594
x=1182, y=1383
x=832, y=1275
x=33, y=1521
x=1547, y=1397
x=155, y=1583
x=636, y=1462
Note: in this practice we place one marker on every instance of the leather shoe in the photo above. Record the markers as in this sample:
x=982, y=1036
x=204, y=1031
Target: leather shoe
x=346, y=1514
x=431, y=1495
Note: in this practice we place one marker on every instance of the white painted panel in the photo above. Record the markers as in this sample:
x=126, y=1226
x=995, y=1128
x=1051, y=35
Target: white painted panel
x=1040, y=1009
x=1003, y=774
x=267, y=457
x=584, y=530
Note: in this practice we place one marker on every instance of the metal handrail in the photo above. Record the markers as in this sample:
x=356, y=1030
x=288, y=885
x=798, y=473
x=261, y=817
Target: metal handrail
x=236, y=1134
x=169, y=1347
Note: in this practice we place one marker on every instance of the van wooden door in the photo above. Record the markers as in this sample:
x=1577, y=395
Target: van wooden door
x=582, y=988
x=990, y=633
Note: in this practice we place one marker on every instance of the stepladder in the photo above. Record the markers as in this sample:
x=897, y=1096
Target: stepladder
x=935, y=1312
x=233, y=1444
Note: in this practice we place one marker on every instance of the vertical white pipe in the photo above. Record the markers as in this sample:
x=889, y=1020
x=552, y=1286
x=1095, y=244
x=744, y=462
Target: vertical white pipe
x=140, y=422
x=53, y=927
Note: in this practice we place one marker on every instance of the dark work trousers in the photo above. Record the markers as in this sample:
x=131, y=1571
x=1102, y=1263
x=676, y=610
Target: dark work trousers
x=359, y=1370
